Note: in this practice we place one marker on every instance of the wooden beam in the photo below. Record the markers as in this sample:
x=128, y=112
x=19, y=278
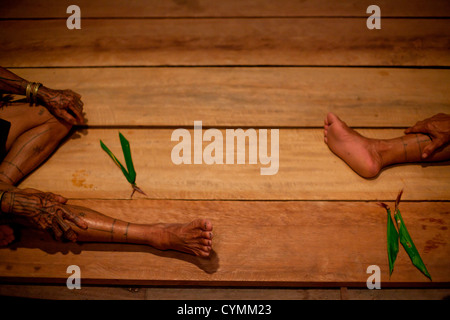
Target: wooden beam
x=252, y=97
x=230, y=8
x=194, y=42
x=258, y=243
x=308, y=170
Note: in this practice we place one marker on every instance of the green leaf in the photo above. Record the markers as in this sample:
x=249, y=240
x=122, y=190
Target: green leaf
x=117, y=162
x=129, y=173
x=408, y=244
x=392, y=239
x=128, y=160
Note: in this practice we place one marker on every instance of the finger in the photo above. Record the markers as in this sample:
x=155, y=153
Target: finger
x=76, y=94
x=432, y=147
x=67, y=231
x=78, y=114
x=57, y=198
x=419, y=127
x=71, y=235
x=68, y=117
x=58, y=233
x=62, y=224
x=79, y=222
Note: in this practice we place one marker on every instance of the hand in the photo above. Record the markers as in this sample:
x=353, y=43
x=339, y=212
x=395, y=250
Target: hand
x=43, y=210
x=63, y=104
x=437, y=128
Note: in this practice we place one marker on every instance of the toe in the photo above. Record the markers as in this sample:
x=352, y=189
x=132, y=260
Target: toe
x=207, y=234
x=331, y=118
x=205, y=251
x=207, y=225
x=206, y=242
x=203, y=224
x=203, y=254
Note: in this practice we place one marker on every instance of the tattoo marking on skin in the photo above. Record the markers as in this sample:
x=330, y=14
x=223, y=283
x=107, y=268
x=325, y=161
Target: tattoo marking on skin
x=112, y=229
x=126, y=232
x=28, y=142
x=15, y=166
x=3, y=174
x=418, y=143
x=102, y=230
x=404, y=147
x=38, y=149
x=12, y=202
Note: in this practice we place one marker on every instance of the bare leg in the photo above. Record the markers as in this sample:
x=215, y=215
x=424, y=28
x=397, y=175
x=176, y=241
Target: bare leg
x=194, y=237
x=6, y=235
x=33, y=136
x=368, y=156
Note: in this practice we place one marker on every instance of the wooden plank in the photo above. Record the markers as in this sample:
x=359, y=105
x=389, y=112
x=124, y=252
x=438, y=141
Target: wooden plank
x=252, y=97
x=60, y=292
x=193, y=42
x=255, y=243
x=230, y=8
x=96, y=292
x=308, y=170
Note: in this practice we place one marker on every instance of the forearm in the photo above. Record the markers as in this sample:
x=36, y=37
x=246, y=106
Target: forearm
x=11, y=83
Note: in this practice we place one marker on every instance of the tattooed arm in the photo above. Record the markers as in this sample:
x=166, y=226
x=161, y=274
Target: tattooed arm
x=63, y=104
x=43, y=210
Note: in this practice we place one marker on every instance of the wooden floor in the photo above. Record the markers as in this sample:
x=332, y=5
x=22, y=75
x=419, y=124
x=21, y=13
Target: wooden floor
x=146, y=68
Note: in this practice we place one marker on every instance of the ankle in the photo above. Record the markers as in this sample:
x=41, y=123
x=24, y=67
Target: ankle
x=384, y=149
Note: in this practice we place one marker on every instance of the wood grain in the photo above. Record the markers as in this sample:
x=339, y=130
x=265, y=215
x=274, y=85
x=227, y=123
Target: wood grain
x=255, y=243
x=252, y=97
x=230, y=8
x=308, y=170
x=194, y=42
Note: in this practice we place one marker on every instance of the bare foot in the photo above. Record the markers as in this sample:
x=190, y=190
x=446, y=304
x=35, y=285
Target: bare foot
x=194, y=237
x=359, y=152
x=6, y=235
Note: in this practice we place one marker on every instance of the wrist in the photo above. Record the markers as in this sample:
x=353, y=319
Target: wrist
x=42, y=93
x=4, y=206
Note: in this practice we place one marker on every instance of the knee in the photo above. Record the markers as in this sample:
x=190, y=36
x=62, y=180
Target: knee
x=57, y=128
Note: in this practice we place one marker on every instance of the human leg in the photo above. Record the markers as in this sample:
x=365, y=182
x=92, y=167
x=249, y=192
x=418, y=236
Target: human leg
x=194, y=237
x=368, y=156
x=33, y=136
